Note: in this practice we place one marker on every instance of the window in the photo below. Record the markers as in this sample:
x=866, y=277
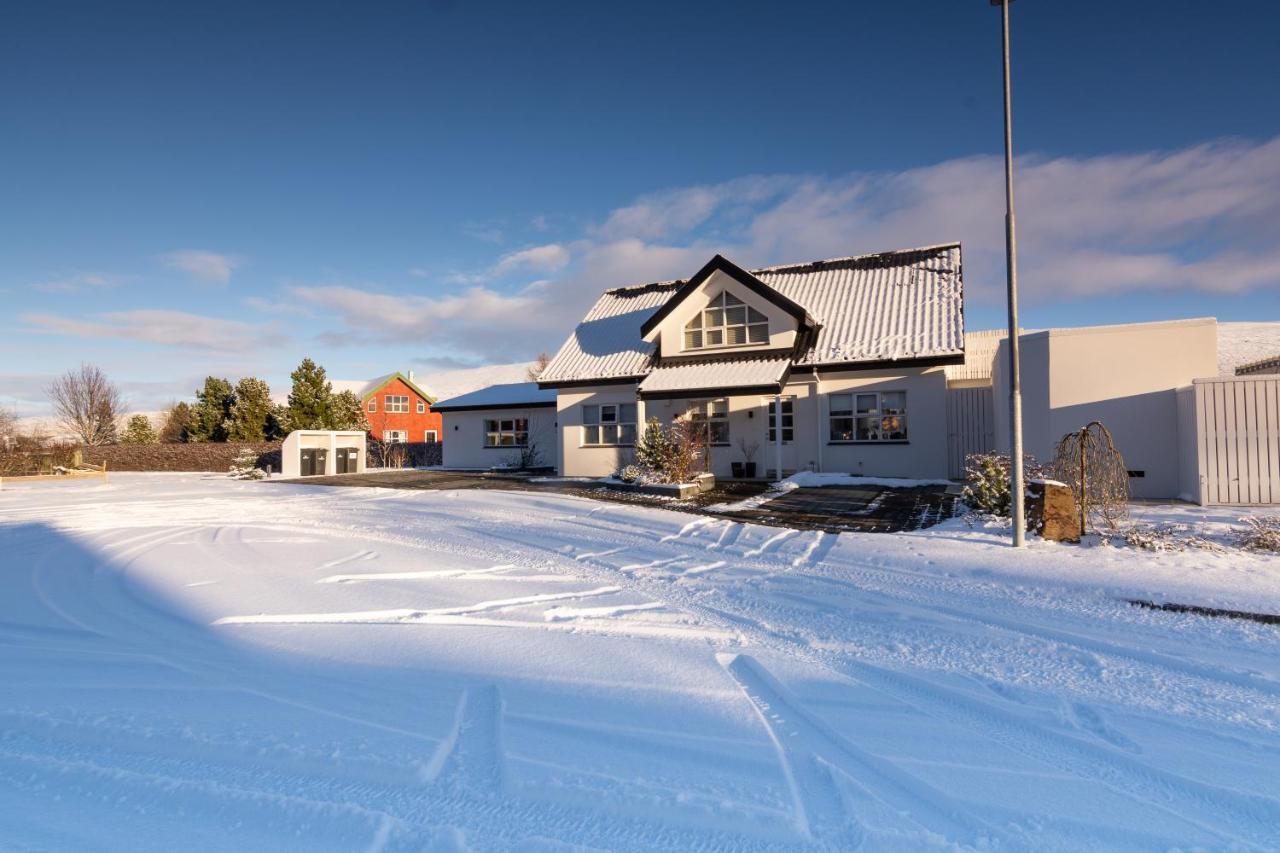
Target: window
x=788, y=420
x=396, y=403
x=509, y=432
x=609, y=424
x=373, y=404
x=431, y=436
x=726, y=322
x=422, y=407
x=715, y=415
x=395, y=436
x=869, y=416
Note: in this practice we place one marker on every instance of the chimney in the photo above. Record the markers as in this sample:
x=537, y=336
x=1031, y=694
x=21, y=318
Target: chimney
x=410, y=375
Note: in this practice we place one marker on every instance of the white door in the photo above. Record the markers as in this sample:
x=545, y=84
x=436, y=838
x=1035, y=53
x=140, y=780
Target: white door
x=768, y=457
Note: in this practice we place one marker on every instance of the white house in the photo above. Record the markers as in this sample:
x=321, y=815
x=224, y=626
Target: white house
x=500, y=426
x=834, y=365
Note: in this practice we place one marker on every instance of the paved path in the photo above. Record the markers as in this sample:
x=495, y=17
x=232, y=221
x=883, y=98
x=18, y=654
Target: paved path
x=829, y=508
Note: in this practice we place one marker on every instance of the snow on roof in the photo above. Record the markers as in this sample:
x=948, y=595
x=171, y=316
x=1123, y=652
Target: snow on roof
x=711, y=375
x=512, y=394
x=888, y=306
x=1245, y=343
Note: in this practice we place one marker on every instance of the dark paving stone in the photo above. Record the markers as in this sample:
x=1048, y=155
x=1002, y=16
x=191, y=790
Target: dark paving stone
x=830, y=508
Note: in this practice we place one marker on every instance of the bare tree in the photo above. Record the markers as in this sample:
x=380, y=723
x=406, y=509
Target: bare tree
x=539, y=364
x=87, y=404
x=8, y=428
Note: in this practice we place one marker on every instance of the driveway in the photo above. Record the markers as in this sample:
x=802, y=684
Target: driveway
x=831, y=508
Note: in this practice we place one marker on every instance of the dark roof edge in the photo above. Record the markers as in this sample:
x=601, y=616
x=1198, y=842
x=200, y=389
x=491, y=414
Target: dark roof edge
x=720, y=263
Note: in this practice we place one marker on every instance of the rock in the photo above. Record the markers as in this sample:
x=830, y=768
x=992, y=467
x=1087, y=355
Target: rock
x=1051, y=511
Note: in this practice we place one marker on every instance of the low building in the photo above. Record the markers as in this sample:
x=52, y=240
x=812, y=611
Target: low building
x=511, y=425
x=314, y=452
x=1261, y=367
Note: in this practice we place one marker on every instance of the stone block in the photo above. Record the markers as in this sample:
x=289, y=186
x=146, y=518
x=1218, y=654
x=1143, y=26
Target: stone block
x=1052, y=511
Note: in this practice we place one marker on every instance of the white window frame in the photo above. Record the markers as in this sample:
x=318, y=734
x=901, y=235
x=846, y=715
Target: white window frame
x=431, y=436
x=882, y=414
x=714, y=414
x=395, y=404
x=609, y=424
x=713, y=321
x=395, y=436
x=373, y=405
x=422, y=407
x=497, y=430
x=788, y=420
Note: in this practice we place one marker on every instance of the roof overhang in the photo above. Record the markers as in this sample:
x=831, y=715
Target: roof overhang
x=722, y=264
x=721, y=377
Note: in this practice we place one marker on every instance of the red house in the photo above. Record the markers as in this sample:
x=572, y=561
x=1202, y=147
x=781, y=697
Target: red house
x=399, y=411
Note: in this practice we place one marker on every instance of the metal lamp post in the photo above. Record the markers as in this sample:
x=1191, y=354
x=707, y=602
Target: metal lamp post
x=1016, y=486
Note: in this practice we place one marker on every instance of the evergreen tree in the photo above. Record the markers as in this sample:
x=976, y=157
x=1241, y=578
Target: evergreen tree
x=177, y=423
x=139, y=431
x=278, y=423
x=347, y=412
x=251, y=411
x=212, y=411
x=311, y=400
x=245, y=466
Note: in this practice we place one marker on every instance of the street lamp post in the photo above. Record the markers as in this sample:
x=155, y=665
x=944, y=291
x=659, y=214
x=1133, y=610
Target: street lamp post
x=1016, y=485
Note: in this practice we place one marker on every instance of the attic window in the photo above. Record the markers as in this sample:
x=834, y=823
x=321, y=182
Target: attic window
x=726, y=322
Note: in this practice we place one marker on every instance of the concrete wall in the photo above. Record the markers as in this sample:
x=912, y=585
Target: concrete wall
x=464, y=437
x=1124, y=376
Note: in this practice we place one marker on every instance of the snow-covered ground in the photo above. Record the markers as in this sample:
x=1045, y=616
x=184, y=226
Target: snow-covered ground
x=205, y=664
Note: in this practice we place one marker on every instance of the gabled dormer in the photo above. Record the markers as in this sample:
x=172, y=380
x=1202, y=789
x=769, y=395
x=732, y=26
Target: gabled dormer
x=724, y=310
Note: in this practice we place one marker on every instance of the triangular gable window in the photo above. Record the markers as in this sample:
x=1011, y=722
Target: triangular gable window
x=726, y=322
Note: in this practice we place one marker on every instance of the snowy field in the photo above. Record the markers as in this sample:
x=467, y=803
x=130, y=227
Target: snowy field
x=201, y=664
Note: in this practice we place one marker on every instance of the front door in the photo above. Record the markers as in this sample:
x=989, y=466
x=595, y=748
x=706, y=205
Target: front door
x=768, y=457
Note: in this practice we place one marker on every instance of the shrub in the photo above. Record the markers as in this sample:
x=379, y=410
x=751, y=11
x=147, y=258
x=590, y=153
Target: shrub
x=674, y=455
x=987, y=482
x=1261, y=534
x=245, y=466
x=1167, y=537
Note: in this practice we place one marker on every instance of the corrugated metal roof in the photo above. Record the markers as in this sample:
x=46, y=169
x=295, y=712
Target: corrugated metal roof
x=884, y=307
x=736, y=373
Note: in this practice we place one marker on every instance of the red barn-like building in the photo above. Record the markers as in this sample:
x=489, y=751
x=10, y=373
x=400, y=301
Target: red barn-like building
x=398, y=410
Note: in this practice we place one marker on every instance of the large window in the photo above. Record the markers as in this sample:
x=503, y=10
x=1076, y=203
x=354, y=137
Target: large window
x=509, y=432
x=396, y=403
x=788, y=420
x=609, y=424
x=726, y=322
x=395, y=436
x=713, y=415
x=869, y=416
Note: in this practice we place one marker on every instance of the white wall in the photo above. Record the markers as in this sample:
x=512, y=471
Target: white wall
x=782, y=326
x=330, y=440
x=1124, y=376
x=464, y=437
x=577, y=460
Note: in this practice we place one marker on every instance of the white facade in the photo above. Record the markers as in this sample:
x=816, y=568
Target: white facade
x=1125, y=376
x=308, y=452
x=502, y=426
x=1229, y=440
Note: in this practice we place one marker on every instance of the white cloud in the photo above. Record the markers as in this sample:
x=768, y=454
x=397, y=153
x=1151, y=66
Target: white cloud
x=1201, y=219
x=203, y=265
x=78, y=282
x=176, y=329
x=549, y=258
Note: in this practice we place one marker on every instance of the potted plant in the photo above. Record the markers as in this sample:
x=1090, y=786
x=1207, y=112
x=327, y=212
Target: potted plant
x=748, y=465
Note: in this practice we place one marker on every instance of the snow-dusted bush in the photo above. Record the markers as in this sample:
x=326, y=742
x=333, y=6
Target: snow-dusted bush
x=630, y=473
x=1261, y=534
x=987, y=482
x=1167, y=537
x=670, y=455
x=245, y=466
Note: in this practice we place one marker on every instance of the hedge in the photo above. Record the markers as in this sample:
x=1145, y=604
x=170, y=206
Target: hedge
x=211, y=456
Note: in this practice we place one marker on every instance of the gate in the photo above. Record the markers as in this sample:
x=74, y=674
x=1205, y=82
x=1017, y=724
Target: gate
x=970, y=415
x=1229, y=434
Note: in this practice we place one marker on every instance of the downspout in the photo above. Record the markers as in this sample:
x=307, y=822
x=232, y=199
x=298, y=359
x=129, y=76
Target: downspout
x=817, y=414
x=776, y=423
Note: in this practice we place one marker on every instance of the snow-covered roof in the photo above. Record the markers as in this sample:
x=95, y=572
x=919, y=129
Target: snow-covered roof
x=512, y=395
x=713, y=375
x=889, y=306
x=1246, y=343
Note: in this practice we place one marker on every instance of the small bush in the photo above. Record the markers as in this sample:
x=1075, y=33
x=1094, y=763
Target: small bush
x=987, y=482
x=671, y=455
x=1261, y=534
x=245, y=466
x=1167, y=537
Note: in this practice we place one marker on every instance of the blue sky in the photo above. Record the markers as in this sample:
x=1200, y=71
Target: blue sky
x=226, y=188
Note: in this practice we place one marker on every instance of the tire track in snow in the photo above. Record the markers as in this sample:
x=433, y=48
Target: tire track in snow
x=773, y=543
x=808, y=748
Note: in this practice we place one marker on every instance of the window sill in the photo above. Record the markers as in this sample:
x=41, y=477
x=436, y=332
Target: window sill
x=596, y=446
x=499, y=446
x=846, y=443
